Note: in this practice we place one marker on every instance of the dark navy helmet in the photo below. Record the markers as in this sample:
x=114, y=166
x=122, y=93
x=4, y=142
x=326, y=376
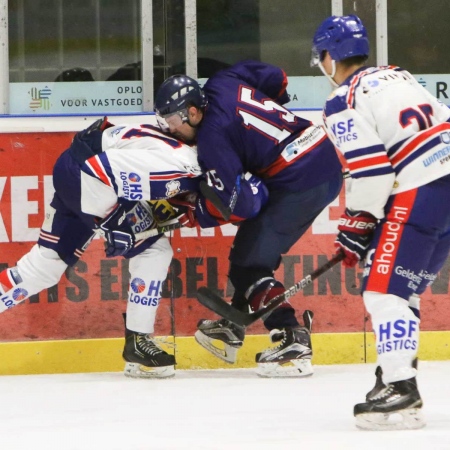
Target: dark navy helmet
x=342, y=36
x=177, y=93
x=174, y=97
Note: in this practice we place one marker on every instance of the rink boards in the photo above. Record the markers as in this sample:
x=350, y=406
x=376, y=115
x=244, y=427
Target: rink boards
x=77, y=325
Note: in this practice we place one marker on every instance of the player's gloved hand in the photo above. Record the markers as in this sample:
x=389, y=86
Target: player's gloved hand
x=117, y=232
x=356, y=230
x=185, y=205
x=259, y=190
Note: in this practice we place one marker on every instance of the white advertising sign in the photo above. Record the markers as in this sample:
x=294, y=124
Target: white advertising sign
x=75, y=97
x=126, y=96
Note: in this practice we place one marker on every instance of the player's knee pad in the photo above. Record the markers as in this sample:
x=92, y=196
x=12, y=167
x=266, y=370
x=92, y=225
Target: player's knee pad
x=39, y=269
x=41, y=266
x=396, y=329
x=148, y=272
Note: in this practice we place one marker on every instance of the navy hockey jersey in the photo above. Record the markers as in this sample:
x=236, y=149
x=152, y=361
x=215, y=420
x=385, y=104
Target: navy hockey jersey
x=245, y=128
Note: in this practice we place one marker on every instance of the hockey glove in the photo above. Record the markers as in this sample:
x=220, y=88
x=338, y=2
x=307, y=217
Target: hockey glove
x=356, y=230
x=117, y=232
x=92, y=136
x=185, y=205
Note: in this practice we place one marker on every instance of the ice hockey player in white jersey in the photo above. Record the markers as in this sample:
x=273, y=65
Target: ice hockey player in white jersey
x=103, y=183
x=395, y=137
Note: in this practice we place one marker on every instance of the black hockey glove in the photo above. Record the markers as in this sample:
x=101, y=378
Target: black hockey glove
x=356, y=230
x=117, y=232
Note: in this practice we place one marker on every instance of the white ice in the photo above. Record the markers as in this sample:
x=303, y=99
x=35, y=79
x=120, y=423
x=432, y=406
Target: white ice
x=211, y=410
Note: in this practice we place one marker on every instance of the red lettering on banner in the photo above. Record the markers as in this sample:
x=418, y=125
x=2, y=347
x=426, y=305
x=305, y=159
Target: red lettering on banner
x=89, y=300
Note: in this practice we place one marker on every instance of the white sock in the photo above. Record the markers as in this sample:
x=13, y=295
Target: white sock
x=397, y=334
x=148, y=271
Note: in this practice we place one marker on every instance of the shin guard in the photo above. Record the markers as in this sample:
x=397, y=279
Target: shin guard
x=396, y=330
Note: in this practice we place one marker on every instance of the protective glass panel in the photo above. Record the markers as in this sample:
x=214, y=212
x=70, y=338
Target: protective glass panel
x=266, y=30
x=417, y=35
x=276, y=32
x=74, y=56
x=74, y=40
x=169, y=39
x=417, y=42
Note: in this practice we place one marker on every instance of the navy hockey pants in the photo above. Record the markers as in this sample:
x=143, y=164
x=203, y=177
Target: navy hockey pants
x=412, y=242
x=260, y=242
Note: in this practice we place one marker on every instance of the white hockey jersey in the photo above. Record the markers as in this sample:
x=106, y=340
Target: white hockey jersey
x=138, y=163
x=394, y=135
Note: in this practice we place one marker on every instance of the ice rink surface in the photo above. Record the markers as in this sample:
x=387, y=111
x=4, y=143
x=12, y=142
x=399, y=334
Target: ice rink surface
x=211, y=410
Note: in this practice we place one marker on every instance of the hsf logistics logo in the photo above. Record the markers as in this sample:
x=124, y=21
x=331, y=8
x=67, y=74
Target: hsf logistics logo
x=138, y=285
x=40, y=98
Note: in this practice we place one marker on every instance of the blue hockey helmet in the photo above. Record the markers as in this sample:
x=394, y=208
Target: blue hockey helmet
x=342, y=36
x=175, y=96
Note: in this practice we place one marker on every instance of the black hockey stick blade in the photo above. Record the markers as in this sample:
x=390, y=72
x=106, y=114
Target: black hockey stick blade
x=218, y=305
x=210, y=194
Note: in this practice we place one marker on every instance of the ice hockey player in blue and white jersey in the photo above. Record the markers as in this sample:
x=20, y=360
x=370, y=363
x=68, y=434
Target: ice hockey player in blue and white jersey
x=240, y=126
x=394, y=136
x=103, y=183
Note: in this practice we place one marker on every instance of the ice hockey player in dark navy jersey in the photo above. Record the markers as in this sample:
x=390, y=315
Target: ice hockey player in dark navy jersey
x=274, y=172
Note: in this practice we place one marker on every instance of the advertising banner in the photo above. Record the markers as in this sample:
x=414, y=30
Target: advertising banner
x=76, y=97
x=126, y=96
x=91, y=297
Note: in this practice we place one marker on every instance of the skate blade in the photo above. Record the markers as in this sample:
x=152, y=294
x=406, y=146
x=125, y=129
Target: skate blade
x=136, y=370
x=298, y=368
x=406, y=419
x=227, y=353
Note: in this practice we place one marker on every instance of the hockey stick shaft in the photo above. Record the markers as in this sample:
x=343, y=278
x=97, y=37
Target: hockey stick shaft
x=218, y=305
x=210, y=194
x=163, y=228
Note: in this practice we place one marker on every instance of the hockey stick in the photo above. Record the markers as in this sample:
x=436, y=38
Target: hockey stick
x=218, y=305
x=162, y=228
x=210, y=194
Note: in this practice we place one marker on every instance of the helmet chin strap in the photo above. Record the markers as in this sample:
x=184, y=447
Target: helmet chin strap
x=333, y=73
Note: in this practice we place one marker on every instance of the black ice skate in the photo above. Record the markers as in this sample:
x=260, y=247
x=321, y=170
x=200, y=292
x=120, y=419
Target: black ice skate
x=291, y=358
x=221, y=337
x=145, y=359
x=396, y=407
x=379, y=384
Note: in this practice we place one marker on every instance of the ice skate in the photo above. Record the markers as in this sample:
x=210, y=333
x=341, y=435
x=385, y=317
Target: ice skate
x=221, y=337
x=145, y=359
x=291, y=358
x=379, y=385
x=396, y=407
